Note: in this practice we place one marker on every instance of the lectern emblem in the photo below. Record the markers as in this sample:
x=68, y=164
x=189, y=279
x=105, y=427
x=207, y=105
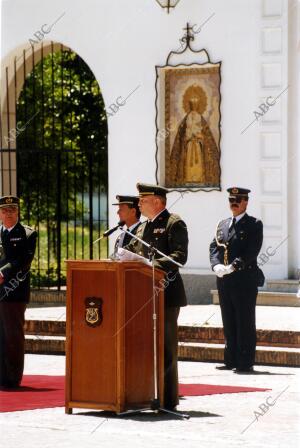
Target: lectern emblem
x=93, y=311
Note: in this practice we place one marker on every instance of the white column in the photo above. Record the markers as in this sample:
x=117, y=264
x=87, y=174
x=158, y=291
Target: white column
x=293, y=160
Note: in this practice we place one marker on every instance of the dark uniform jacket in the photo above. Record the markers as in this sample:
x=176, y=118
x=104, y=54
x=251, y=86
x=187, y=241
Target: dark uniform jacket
x=127, y=238
x=16, y=254
x=167, y=233
x=243, y=242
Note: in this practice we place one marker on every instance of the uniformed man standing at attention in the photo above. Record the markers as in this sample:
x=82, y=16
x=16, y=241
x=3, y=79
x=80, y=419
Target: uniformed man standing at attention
x=130, y=214
x=168, y=233
x=233, y=257
x=17, y=247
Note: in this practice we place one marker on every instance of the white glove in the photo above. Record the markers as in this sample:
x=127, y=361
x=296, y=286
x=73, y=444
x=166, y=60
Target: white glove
x=221, y=270
x=229, y=269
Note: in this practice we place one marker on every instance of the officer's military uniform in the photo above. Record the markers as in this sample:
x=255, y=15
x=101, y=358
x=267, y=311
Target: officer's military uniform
x=167, y=233
x=127, y=238
x=122, y=240
x=238, y=245
x=17, y=249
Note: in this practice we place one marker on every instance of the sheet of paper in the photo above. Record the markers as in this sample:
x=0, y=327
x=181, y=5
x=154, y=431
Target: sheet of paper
x=126, y=255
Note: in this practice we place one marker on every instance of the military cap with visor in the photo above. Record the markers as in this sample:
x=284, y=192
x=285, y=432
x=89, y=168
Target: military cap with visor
x=237, y=192
x=9, y=201
x=129, y=200
x=151, y=190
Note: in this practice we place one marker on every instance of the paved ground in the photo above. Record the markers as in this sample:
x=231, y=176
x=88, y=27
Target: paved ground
x=267, y=317
x=256, y=419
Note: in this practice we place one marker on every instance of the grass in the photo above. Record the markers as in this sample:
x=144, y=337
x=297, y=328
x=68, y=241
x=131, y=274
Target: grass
x=75, y=244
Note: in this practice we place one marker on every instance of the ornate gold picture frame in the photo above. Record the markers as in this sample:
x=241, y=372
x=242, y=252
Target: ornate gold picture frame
x=188, y=120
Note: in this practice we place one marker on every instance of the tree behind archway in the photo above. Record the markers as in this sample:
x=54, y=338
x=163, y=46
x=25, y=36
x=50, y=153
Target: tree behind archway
x=62, y=162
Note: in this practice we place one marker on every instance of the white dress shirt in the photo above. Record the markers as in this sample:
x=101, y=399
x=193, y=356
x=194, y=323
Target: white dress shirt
x=237, y=218
x=122, y=236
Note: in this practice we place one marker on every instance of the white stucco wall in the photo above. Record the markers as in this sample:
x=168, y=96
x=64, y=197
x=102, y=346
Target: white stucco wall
x=123, y=40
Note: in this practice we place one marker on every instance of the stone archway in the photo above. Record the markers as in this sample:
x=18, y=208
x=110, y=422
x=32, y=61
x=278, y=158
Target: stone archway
x=14, y=70
x=17, y=159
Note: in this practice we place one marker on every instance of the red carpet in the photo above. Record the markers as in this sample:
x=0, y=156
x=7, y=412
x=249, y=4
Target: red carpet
x=40, y=391
x=36, y=392
x=189, y=390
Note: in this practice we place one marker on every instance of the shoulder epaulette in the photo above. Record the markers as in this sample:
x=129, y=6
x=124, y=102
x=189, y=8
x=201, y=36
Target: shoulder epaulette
x=173, y=218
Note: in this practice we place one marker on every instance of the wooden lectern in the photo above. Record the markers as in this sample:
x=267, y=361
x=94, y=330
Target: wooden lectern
x=109, y=345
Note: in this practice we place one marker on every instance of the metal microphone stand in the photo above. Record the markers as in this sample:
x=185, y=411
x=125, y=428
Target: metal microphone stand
x=155, y=403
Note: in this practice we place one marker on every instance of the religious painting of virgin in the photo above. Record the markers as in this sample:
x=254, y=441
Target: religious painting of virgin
x=188, y=126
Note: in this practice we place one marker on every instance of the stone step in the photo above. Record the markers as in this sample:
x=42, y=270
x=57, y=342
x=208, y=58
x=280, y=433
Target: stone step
x=279, y=356
x=186, y=333
x=268, y=298
x=186, y=351
x=278, y=293
x=283, y=285
x=45, y=327
x=215, y=335
x=47, y=297
x=46, y=345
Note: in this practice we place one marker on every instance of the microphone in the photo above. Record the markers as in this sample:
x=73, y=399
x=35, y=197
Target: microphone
x=110, y=231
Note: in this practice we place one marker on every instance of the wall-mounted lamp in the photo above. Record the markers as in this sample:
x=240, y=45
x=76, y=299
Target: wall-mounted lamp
x=168, y=4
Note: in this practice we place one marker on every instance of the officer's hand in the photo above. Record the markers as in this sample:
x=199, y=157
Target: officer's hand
x=220, y=270
x=1, y=279
x=229, y=269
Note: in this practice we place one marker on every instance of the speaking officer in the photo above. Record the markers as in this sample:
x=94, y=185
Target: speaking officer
x=17, y=247
x=130, y=214
x=233, y=257
x=168, y=233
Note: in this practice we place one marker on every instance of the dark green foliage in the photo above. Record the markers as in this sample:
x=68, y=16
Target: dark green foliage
x=61, y=156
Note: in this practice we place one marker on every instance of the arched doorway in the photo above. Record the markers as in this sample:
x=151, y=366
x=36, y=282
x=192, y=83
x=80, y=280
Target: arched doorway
x=55, y=157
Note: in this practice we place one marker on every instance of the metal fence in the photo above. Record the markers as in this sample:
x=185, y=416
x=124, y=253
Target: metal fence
x=53, y=135
x=63, y=197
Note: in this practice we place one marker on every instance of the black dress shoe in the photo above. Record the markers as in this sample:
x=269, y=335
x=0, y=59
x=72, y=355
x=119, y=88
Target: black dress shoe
x=244, y=370
x=10, y=384
x=224, y=367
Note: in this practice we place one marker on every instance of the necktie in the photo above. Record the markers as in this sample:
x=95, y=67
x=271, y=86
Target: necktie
x=232, y=225
x=4, y=234
x=126, y=239
x=148, y=227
